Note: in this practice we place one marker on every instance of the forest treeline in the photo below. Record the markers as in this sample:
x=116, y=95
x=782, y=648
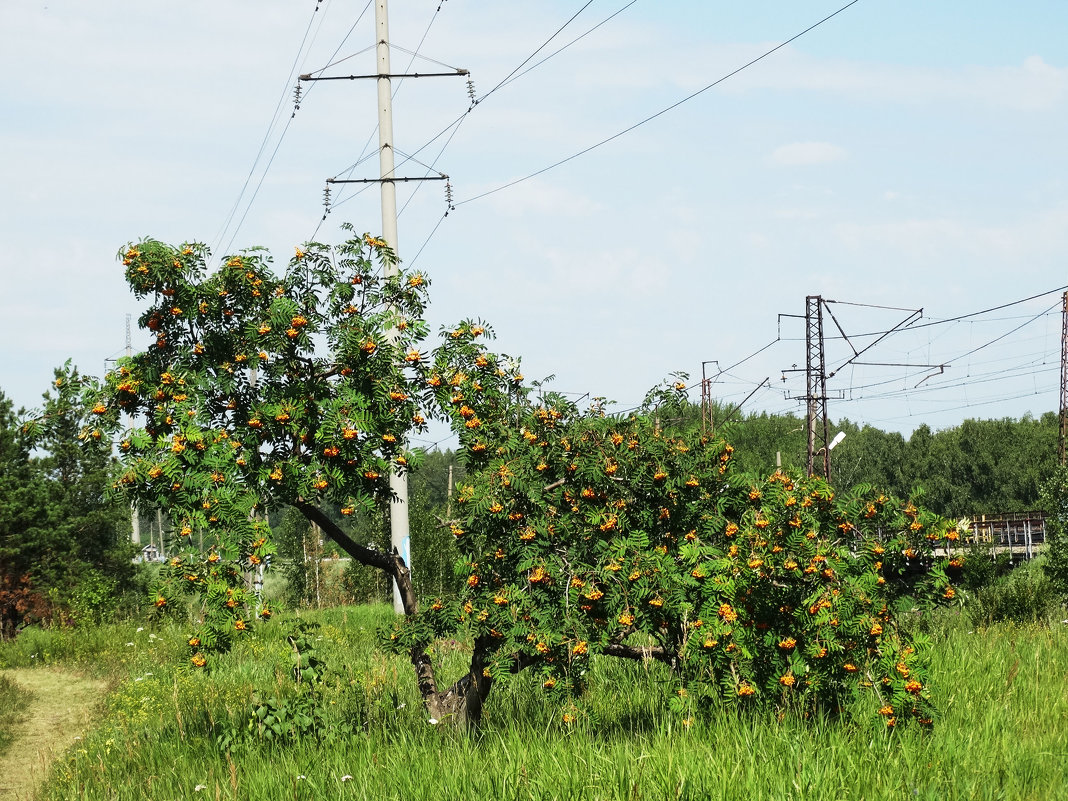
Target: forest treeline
x=978, y=467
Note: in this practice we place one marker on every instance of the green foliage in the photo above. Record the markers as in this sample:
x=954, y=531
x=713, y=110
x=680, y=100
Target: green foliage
x=64, y=541
x=981, y=566
x=299, y=714
x=1055, y=505
x=978, y=467
x=582, y=533
x=94, y=598
x=261, y=391
x=1026, y=595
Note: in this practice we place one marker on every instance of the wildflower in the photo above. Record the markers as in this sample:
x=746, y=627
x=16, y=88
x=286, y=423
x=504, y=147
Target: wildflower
x=198, y=660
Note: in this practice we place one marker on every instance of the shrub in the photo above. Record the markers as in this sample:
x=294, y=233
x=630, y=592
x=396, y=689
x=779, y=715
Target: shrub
x=1027, y=595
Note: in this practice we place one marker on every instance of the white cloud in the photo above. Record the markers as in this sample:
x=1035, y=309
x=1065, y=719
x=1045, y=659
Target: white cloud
x=806, y=153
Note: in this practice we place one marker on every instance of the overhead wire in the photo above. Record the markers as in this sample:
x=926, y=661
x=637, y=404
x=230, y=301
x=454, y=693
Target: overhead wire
x=217, y=241
x=285, y=130
x=347, y=172
x=660, y=113
x=453, y=127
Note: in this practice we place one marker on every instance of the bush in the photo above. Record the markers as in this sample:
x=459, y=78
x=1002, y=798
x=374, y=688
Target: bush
x=1027, y=595
x=982, y=566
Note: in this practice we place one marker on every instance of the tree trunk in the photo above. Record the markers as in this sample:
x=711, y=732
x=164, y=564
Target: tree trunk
x=461, y=704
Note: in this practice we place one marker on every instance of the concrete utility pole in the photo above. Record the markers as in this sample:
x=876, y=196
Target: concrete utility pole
x=400, y=540
x=399, y=534
x=1064, y=379
x=135, y=518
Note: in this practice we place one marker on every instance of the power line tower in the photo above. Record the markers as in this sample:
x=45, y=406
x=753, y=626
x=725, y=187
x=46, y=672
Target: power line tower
x=1064, y=379
x=400, y=538
x=816, y=385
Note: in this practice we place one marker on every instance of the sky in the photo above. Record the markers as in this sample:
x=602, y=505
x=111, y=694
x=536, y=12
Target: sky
x=900, y=156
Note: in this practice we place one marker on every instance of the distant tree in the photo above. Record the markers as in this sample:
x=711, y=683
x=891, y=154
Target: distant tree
x=62, y=536
x=92, y=523
x=1054, y=501
x=764, y=441
x=24, y=532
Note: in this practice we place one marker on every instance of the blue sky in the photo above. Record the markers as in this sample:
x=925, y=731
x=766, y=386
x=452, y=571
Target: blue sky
x=905, y=154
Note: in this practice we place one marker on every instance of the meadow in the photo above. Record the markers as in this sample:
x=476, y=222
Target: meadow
x=168, y=732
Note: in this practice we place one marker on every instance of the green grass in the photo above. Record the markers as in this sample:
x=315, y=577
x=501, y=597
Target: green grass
x=13, y=700
x=1001, y=735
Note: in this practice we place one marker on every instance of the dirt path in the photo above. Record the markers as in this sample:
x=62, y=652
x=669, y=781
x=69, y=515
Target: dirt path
x=58, y=712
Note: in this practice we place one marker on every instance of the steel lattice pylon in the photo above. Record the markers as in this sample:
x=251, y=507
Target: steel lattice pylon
x=816, y=384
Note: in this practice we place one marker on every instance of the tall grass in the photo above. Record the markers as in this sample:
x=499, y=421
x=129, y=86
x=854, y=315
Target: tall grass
x=1001, y=734
x=13, y=701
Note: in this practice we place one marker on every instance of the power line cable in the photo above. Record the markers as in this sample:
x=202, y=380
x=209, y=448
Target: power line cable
x=453, y=127
x=270, y=129
x=660, y=113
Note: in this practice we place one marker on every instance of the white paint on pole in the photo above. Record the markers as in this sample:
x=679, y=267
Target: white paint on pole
x=398, y=481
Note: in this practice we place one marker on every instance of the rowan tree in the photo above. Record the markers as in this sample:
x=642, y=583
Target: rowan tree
x=586, y=533
x=581, y=532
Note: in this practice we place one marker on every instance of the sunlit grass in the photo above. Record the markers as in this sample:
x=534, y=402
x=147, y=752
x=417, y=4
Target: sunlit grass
x=13, y=700
x=1001, y=735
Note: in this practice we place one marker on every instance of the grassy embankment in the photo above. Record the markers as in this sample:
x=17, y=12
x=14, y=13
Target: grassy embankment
x=1003, y=733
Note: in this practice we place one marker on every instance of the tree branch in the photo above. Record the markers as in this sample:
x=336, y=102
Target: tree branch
x=362, y=554
x=637, y=653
